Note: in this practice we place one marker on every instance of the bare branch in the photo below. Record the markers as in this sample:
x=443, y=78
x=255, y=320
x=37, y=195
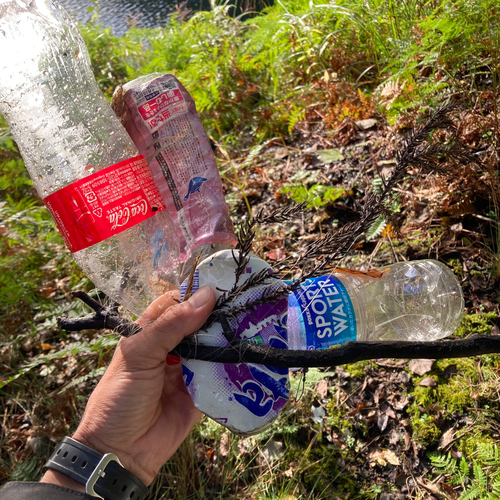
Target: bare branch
x=350, y=352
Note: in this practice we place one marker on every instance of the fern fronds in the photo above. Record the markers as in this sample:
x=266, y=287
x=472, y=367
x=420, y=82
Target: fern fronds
x=375, y=230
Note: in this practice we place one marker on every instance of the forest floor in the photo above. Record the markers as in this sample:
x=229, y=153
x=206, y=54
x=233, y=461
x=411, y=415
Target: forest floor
x=386, y=429
x=384, y=417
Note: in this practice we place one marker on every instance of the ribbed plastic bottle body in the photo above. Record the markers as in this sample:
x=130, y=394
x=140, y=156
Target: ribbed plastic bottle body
x=413, y=301
x=66, y=130
x=410, y=301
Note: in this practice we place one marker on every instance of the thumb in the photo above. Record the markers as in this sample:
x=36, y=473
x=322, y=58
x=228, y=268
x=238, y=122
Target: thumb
x=150, y=347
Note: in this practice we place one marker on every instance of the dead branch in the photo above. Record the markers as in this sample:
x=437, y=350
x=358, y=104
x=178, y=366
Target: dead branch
x=104, y=318
x=350, y=352
x=239, y=351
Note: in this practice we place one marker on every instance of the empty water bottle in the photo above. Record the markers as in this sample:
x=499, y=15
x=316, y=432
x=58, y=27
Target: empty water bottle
x=85, y=167
x=418, y=300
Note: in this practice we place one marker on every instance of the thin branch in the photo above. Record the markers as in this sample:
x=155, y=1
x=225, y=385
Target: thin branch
x=104, y=318
x=244, y=352
x=350, y=352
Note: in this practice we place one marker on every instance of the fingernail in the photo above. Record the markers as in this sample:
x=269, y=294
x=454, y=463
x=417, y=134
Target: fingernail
x=200, y=298
x=173, y=360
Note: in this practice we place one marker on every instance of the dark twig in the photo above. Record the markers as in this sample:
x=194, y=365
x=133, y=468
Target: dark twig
x=244, y=352
x=104, y=318
x=350, y=352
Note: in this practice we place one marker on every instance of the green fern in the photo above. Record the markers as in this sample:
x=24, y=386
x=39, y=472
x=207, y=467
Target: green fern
x=483, y=481
x=376, y=228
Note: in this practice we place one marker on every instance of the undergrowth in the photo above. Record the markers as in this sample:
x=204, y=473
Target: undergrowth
x=269, y=80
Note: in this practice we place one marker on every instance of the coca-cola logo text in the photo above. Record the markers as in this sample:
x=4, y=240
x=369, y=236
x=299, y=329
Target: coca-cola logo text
x=122, y=216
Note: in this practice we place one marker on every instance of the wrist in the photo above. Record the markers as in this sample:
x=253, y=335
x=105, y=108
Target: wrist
x=126, y=460
x=99, y=475
x=55, y=477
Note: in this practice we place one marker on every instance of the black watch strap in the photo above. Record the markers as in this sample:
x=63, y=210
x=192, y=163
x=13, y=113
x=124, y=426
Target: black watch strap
x=102, y=475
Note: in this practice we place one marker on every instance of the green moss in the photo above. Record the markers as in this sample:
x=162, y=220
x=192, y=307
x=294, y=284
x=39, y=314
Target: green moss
x=425, y=430
x=358, y=370
x=476, y=323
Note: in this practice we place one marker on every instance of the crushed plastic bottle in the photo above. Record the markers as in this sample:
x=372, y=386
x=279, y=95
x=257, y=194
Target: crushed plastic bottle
x=160, y=116
x=245, y=398
x=85, y=167
x=418, y=300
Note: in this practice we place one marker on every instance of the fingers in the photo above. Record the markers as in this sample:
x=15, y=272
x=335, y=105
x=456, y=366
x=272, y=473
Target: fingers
x=158, y=307
x=150, y=347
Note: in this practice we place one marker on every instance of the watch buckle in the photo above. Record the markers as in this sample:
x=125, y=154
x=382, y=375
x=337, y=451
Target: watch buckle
x=99, y=472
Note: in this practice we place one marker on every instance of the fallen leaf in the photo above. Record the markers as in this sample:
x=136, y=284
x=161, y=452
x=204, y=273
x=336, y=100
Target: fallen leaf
x=329, y=155
x=224, y=445
x=421, y=366
x=278, y=254
x=401, y=403
x=273, y=451
x=394, y=438
x=446, y=488
x=281, y=153
x=404, y=378
x=377, y=457
x=366, y=124
x=391, y=362
x=436, y=490
x=322, y=388
x=382, y=421
x=447, y=438
x=428, y=382
x=292, y=467
x=391, y=457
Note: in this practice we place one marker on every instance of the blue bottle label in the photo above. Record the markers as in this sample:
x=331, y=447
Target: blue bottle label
x=325, y=313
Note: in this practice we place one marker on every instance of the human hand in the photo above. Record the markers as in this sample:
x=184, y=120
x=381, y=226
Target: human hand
x=141, y=410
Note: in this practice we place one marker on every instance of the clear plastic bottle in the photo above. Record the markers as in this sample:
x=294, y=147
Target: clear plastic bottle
x=66, y=131
x=408, y=301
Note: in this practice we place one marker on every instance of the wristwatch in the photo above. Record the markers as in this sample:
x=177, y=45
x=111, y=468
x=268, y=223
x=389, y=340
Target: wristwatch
x=103, y=475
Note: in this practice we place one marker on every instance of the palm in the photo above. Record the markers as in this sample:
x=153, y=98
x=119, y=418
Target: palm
x=141, y=410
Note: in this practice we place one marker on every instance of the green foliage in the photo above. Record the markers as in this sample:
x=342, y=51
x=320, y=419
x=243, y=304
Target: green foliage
x=476, y=324
x=256, y=77
x=482, y=480
x=318, y=195
x=376, y=228
x=114, y=59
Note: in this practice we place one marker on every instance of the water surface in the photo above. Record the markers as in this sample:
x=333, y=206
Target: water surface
x=120, y=14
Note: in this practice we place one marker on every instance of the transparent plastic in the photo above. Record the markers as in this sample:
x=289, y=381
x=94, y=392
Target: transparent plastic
x=418, y=300
x=411, y=301
x=66, y=130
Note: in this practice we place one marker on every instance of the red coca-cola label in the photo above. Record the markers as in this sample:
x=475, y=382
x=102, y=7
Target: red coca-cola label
x=106, y=203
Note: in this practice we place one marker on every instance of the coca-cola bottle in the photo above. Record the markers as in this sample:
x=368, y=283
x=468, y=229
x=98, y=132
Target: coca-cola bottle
x=84, y=165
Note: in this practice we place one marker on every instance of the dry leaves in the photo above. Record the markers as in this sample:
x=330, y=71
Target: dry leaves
x=421, y=366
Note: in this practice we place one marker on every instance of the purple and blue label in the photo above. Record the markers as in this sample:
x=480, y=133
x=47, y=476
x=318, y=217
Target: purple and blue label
x=324, y=312
x=243, y=397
